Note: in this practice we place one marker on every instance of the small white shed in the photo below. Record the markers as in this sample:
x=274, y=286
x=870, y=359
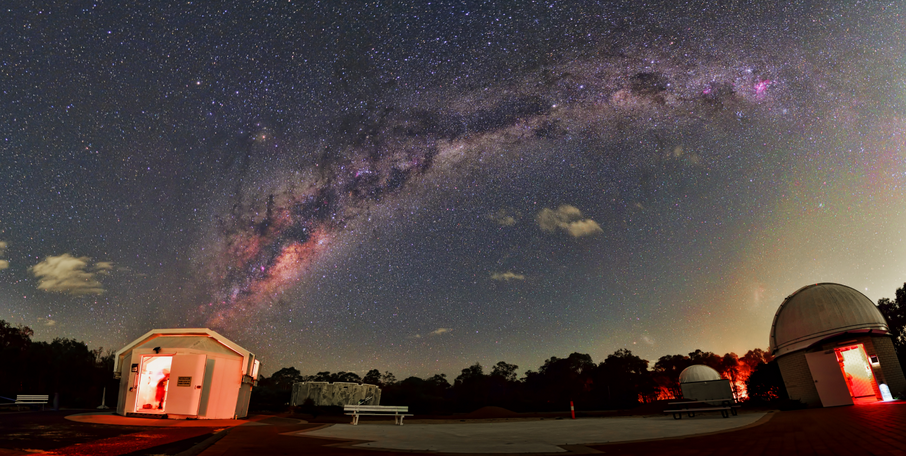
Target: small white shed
x=185, y=373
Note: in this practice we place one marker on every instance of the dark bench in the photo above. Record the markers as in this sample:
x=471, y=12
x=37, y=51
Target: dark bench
x=398, y=412
x=724, y=406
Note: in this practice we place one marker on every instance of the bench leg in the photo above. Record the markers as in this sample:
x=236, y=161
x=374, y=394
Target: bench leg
x=733, y=411
x=678, y=416
x=399, y=420
x=355, y=419
x=724, y=413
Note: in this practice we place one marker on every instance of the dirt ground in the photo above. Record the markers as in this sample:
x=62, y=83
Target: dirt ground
x=30, y=432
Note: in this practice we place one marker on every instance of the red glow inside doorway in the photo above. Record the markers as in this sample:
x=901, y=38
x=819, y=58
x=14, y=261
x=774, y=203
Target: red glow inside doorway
x=153, y=382
x=857, y=371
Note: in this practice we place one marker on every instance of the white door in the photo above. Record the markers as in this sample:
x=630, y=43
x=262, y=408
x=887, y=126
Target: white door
x=184, y=390
x=828, y=379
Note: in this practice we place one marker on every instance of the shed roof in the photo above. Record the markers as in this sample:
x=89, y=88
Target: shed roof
x=816, y=312
x=203, y=339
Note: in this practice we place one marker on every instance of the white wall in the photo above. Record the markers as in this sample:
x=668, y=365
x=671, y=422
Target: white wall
x=220, y=390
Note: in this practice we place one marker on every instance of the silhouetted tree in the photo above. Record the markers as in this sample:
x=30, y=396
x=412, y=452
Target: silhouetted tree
x=350, y=377
x=439, y=383
x=388, y=379
x=505, y=371
x=561, y=380
x=422, y=396
x=373, y=377
x=765, y=383
x=755, y=357
x=473, y=372
x=323, y=376
x=65, y=366
x=470, y=388
x=622, y=379
x=283, y=379
x=895, y=313
x=712, y=360
x=666, y=373
x=15, y=342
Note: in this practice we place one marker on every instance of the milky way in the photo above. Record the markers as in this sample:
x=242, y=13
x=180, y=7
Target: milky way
x=270, y=239
x=419, y=186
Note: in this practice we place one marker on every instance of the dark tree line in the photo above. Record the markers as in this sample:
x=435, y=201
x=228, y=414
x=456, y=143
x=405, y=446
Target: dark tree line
x=623, y=380
x=63, y=367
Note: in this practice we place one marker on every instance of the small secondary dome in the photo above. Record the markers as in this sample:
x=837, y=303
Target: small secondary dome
x=816, y=312
x=698, y=373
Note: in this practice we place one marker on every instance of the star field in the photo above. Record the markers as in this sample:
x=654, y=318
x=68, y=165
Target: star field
x=417, y=186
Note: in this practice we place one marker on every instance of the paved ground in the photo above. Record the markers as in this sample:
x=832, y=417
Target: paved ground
x=876, y=429
x=548, y=436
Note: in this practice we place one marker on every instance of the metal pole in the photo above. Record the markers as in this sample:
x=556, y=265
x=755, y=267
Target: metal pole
x=103, y=405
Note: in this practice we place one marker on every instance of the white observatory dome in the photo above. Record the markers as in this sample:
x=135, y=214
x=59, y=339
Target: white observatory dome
x=816, y=312
x=698, y=373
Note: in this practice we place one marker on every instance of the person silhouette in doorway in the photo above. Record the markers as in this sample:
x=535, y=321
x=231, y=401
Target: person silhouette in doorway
x=162, y=390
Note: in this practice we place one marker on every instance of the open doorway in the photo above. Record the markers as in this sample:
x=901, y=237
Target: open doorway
x=153, y=383
x=857, y=371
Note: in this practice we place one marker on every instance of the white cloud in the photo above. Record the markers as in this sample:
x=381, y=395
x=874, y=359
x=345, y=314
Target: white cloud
x=436, y=332
x=507, y=276
x=76, y=276
x=502, y=218
x=567, y=218
x=47, y=321
x=3, y=263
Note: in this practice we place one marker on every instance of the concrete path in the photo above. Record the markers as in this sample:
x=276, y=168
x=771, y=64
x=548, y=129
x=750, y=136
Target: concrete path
x=543, y=436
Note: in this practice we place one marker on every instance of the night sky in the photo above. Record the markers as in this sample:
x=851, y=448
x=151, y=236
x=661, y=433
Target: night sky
x=419, y=186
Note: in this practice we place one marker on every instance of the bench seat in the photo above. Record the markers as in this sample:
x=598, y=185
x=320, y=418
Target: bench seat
x=398, y=412
x=31, y=399
x=678, y=413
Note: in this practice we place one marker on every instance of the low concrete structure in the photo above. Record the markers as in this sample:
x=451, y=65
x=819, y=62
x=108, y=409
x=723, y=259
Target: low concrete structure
x=338, y=394
x=185, y=373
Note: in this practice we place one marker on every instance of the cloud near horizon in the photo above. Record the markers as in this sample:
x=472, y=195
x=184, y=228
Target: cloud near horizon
x=436, y=332
x=3, y=263
x=567, y=218
x=76, y=276
x=507, y=276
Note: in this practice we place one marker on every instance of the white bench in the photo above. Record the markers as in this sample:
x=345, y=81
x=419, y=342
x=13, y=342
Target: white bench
x=31, y=399
x=398, y=412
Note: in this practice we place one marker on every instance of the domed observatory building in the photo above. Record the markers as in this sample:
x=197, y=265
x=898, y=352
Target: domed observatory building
x=833, y=346
x=702, y=383
x=184, y=373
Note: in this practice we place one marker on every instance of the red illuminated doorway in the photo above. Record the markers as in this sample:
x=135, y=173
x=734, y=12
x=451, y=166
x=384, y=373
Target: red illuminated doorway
x=857, y=371
x=153, y=383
